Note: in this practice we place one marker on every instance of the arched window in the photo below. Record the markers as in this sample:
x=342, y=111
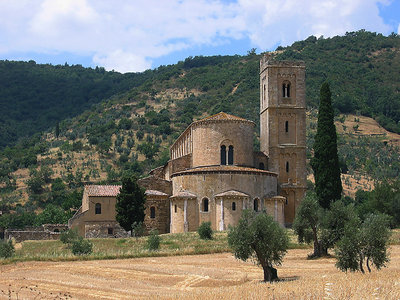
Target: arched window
x=256, y=204
x=286, y=89
x=261, y=166
x=287, y=167
x=287, y=126
x=233, y=205
x=152, y=212
x=223, y=155
x=230, y=155
x=204, y=205
x=175, y=208
x=97, y=209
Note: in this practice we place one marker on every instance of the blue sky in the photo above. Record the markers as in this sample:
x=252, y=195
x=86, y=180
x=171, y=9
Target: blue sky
x=134, y=35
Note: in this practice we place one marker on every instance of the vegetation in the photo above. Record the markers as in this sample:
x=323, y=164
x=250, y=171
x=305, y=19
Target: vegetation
x=153, y=241
x=6, y=249
x=130, y=205
x=259, y=237
x=365, y=244
x=205, y=231
x=81, y=246
x=68, y=236
x=325, y=162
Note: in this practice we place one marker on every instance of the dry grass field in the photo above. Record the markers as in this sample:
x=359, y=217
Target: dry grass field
x=211, y=276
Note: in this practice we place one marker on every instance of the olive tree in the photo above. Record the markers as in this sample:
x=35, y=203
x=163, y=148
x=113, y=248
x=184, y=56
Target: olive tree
x=257, y=236
x=364, y=243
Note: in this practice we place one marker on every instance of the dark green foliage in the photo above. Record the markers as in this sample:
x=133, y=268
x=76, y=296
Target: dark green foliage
x=259, y=237
x=52, y=215
x=205, y=231
x=130, y=204
x=366, y=244
x=68, y=236
x=81, y=246
x=6, y=249
x=153, y=241
x=325, y=162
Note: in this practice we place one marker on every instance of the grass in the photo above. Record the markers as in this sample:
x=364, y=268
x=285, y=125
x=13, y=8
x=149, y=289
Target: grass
x=171, y=245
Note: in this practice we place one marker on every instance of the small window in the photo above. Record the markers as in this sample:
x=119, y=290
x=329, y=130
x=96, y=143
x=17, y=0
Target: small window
x=97, y=209
x=205, y=205
x=230, y=155
x=56, y=230
x=261, y=166
x=287, y=167
x=255, y=204
x=176, y=209
x=286, y=90
x=152, y=212
x=286, y=202
x=110, y=230
x=233, y=205
x=223, y=155
x=287, y=126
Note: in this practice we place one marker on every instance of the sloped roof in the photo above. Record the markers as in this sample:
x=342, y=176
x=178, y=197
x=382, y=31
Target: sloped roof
x=232, y=193
x=224, y=169
x=155, y=193
x=222, y=116
x=102, y=190
x=183, y=194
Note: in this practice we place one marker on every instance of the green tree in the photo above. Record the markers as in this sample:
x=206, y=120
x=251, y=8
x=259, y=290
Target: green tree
x=57, y=131
x=259, y=237
x=325, y=162
x=365, y=244
x=130, y=204
x=307, y=223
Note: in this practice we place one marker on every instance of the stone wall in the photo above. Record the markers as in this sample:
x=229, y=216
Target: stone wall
x=156, y=183
x=44, y=232
x=180, y=164
x=104, y=229
x=160, y=221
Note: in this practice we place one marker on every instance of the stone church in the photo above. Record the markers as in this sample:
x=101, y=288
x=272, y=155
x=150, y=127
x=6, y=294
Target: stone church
x=214, y=174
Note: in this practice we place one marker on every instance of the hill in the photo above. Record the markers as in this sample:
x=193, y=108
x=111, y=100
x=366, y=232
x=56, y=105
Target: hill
x=130, y=131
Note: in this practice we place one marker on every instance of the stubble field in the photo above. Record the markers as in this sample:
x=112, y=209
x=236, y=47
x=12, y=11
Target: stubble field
x=211, y=276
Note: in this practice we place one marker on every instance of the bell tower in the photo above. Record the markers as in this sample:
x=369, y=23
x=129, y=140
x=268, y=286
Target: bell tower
x=283, y=127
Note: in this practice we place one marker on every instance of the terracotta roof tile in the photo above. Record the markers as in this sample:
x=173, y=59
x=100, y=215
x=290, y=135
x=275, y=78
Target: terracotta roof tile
x=183, y=194
x=232, y=193
x=102, y=190
x=222, y=116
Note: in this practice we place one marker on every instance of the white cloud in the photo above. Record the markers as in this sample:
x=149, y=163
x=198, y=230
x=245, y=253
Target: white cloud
x=128, y=35
x=398, y=30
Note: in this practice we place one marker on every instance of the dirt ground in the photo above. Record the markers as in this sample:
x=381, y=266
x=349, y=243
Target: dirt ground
x=214, y=276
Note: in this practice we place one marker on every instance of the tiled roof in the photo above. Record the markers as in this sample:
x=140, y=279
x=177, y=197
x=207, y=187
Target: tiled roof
x=102, y=190
x=223, y=169
x=223, y=116
x=183, y=194
x=232, y=193
x=155, y=193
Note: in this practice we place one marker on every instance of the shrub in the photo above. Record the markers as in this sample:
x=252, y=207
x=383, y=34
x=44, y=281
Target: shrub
x=82, y=246
x=153, y=241
x=6, y=249
x=69, y=236
x=205, y=232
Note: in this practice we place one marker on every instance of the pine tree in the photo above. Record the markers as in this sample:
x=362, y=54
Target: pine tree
x=325, y=162
x=130, y=204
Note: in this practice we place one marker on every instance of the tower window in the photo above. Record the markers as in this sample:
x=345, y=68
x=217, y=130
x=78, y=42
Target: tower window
x=205, y=205
x=287, y=126
x=223, y=155
x=152, y=212
x=97, y=209
x=286, y=90
x=287, y=167
x=261, y=166
x=175, y=208
x=233, y=205
x=230, y=155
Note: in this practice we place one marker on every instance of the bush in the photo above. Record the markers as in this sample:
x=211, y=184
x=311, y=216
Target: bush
x=153, y=241
x=82, y=246
x=69, y=236
x=205, y=232
x=6, y=249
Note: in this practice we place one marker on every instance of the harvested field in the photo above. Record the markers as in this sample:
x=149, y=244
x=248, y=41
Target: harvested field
x=211, y=276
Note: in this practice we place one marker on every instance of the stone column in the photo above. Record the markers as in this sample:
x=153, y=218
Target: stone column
x=185, y=223
x=276, y=211
x=221, y=222
x=170, y=215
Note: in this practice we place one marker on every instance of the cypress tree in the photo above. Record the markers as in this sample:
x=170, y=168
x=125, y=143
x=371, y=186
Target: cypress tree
x=130, y=204
x=325, y=162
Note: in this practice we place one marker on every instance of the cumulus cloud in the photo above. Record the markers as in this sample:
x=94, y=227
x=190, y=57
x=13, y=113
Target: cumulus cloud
x=128, y=35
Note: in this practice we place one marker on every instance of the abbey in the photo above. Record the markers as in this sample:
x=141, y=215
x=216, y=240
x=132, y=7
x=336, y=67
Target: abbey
x=214, y=174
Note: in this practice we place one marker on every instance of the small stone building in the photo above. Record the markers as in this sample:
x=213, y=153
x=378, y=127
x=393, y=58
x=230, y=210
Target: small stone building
x=214, y=173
